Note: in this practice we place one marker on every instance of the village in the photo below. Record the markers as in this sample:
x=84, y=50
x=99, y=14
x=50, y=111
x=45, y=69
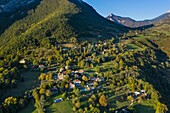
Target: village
x=79, y=78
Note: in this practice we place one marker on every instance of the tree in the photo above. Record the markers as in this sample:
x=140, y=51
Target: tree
x=161, y=108
x=74, y=108
x=64, y=95
x=95, y=84
x=77, y=92
x=80, y=110
x=35, y=62
x=42, y=76
x=10, y=105
x=85, y=78
x=154, y=96
x=42, y=91
x=121, y=64
x=96, y=110
x=35, y=95
x=78, y=104
x=90, y=100
x=21, y=103
x=93, y=97
x=73, y=39
x=130, y=98
x=103, y=101
x=48, y=93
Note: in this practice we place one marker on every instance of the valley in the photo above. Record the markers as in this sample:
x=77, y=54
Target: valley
x=62, y=56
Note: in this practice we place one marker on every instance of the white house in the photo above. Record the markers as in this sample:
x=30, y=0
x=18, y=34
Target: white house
x=23, y=61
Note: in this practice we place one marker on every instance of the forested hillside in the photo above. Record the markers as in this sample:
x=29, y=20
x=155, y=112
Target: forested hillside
x=60, y=20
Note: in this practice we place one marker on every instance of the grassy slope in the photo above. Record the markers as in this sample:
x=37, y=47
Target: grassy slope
x=61, y=107
x=162, y=35
x=31, y=80
x=51, y=107
x=144, y=107
x=29, y=108
x=50, y=15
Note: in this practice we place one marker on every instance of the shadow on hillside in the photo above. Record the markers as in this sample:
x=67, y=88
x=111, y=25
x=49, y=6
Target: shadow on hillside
x=158, y=76
x=144, y=27
x=143, y=109
x=8, y=18
x=92, y=26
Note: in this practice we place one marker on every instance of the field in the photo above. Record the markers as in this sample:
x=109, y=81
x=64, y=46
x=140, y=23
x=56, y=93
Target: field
x=31, y=81
x=133, y=46
x=29, y=109
x=61, y=107
x=106, y=66
x=51, y=107
x=144, y=107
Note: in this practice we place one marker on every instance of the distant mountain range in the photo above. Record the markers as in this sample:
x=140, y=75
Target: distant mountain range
x=126, y=21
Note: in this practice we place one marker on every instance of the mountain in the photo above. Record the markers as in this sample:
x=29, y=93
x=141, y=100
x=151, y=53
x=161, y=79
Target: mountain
x=13, y=5
x=60, y=20
x=126, y=21
x=13, y=10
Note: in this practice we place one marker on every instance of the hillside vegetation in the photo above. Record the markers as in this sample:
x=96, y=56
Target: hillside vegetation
x=58, y=59
x=160, y=34
x=59, y=20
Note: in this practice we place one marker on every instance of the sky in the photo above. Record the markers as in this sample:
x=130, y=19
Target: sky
x=136, y=9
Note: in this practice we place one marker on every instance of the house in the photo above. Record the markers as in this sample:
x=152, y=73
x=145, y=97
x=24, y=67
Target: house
x=137, y=93
x=76, y=71
x=81, y=71
x=23, y=61
x=142, y=91
x=98, y=80
x=60, y=76
x=71, y=85
x=62, y=69
x=77, y=81
x=67, y=67
x=41, y=66
x=88, y=58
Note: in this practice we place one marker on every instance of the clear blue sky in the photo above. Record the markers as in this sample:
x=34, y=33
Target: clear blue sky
x=136, y=9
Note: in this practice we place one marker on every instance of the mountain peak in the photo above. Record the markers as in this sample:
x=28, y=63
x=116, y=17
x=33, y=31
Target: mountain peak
x=126, y=21
x=111, y=14
x=168, y=11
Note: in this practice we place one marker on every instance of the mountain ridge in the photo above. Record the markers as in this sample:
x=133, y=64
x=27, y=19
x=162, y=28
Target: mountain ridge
x=60, y=20
x=129, y=22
